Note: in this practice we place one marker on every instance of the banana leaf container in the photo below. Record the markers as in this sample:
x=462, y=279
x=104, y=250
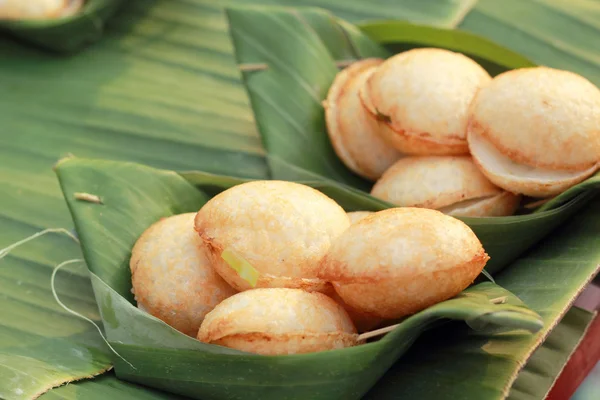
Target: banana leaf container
x=133, y=196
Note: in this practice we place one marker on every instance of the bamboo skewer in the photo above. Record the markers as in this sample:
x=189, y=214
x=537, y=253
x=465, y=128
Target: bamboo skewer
x=90, y=198
x=499, y=300
x=388, y=329
x=537, y=203
x=376, y=332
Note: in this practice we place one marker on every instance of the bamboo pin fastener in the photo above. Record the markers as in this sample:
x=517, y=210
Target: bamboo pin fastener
x=376, y=332
x=388, y=329
x=537, y=203
x=499, y=300
x=90, y=198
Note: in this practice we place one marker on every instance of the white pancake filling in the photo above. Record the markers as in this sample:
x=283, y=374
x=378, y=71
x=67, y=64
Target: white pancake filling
x=496, y=163
x=468, y=206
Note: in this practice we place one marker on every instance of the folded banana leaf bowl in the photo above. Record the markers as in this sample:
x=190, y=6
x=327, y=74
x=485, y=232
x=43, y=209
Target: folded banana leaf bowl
x=287, y=76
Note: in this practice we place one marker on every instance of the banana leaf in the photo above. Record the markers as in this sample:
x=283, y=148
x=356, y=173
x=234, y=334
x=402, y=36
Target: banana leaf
x=399, y=36
x=121, y=99
x=544, y=365
x=42, y=346
x=468, y=380
x=105, y=387
x=115, y=100
x=71, y=34
x=66, y=34
x=133, y=197
x=547, y=362
x=557, y=33
x=443, y=13
x=296, y=68
x=160, y=88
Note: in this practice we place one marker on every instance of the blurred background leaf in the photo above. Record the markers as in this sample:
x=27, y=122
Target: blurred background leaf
x=556, y=33
x=69, y=34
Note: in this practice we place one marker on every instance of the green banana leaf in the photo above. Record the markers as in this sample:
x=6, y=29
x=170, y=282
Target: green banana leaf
x=296, y=69
x=107, y=386
x=124, y=99
x=472, y=380
x=557, y=33
x=545, y=364
x=42, y=346
x=115, y=100
x=398, y=36
x=160, y=88
x=68, y=34
x=444, y=13
x=71, y=34
x=133, y=197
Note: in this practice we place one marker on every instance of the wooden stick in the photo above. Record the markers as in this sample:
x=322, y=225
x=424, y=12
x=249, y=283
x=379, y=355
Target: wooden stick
x=536, y=204
x=499, y=300
x=252, y=67
x=377, y=332
x=388, y=329
x=90, y=198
